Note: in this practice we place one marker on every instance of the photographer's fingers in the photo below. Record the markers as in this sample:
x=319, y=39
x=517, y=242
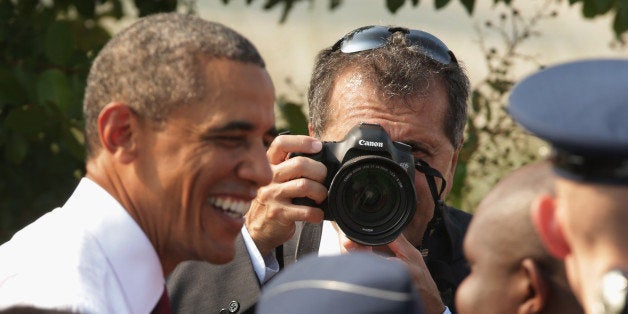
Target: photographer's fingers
x=285, y=192
x=282, y=145
x=304, y=213
x=421, y=276
x=280, y=198
x=299, y=167
x=403, y=249
x=347, y=245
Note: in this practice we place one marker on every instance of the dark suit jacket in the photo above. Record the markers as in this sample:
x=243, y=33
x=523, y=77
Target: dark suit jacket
x=200, y=287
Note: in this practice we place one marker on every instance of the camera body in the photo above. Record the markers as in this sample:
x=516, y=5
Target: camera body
x=370, y=181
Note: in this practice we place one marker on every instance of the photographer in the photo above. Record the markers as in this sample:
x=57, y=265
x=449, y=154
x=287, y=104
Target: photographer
x=406, y=81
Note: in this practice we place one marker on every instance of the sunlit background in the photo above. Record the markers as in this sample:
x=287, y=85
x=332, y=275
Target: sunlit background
x=289, y=48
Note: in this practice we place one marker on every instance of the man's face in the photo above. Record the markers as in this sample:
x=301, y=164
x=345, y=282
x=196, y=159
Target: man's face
x=200, y=169
x=491, y=287
x=418, y=121
x=592, y=219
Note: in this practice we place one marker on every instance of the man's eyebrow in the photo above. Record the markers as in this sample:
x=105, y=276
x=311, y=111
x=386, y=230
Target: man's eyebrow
x=231, y=126
x=416, y=146
x=273, y=132
x=240, y=126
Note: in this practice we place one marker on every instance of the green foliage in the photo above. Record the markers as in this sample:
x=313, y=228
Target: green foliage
x=494, y=144
x=590, y=8
x=47, y=48
x=595, y=8
x=293, y=116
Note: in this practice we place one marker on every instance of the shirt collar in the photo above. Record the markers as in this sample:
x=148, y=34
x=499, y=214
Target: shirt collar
x=127, y=248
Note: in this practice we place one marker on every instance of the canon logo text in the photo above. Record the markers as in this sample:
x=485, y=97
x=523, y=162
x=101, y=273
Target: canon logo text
x=371, y=144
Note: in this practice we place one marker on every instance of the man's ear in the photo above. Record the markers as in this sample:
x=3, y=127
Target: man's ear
x=538, y=288
x=116, y=124
x=543, y=213
x=309, y=129
x=452, y=170
x=454, y=159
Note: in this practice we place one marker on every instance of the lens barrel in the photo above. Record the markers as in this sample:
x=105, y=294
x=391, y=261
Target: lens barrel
x=372, y=199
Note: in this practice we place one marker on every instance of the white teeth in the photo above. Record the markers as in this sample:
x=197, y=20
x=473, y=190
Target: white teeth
x=231, y=206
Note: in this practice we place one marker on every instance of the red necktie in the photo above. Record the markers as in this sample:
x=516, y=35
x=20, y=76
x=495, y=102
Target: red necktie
x=163, y=305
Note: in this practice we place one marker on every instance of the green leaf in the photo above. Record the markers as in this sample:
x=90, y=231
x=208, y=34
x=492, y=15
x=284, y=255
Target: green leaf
x=16, y=149
x=620, y=23
x=27, y=120
x=589, y=10
x=25, y=77
x=333, y=4
x=118, y=11
x=10, y=89
x=53, y=86
x=271, y=3
x=602, y=6
x=468, y=5
x=477, y=101
x=394, y=5
x=147, y=7
x=439, y=4
x=90, y=39
x=415, y=3
x=293, y=115
x=58, y=43
x=286, y=10
x=73, y=142
x=85, y=8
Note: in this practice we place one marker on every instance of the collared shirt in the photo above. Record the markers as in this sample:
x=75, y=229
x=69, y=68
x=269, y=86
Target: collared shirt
x=265, y=266
x=88, y=256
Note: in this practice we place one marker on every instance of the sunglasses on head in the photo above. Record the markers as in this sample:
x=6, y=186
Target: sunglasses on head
x=373, y=37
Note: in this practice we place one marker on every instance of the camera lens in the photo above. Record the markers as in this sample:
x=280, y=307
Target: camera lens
x=371, y=195
x=372, y=199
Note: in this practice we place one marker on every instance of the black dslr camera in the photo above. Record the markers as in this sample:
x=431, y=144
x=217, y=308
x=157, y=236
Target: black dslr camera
x=370, y=181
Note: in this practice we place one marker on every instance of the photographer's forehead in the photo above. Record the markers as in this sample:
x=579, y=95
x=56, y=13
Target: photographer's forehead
x=416, y=130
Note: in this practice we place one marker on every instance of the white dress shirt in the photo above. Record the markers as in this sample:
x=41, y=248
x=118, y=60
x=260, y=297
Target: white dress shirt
x=88, y=256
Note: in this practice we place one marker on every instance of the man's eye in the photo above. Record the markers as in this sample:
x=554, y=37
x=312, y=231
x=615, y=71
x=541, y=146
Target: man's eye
x=419, y=154
x=231, y=141
x=267, y=140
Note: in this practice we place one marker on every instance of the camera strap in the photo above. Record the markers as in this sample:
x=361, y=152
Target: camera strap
x=430, y=175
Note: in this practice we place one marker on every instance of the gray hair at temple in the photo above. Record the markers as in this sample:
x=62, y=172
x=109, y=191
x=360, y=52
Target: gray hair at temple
x=156, y=65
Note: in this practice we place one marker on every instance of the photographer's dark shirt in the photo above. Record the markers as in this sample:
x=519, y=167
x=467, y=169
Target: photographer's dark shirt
x=445, y=259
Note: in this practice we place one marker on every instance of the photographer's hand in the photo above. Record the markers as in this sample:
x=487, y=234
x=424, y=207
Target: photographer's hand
x=272, y=216
x=406, y=252
x=402, y=249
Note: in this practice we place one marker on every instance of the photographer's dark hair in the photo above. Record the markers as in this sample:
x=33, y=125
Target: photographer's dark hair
x=398, y=70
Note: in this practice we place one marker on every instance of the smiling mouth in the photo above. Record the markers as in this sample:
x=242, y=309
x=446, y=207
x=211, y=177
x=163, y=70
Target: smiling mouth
x=235, y=208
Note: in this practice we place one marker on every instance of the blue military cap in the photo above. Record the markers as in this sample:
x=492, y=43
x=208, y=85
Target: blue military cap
x=581, y=109
x=349, y=283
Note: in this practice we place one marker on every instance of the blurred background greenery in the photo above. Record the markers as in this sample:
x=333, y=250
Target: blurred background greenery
x=47, y=47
